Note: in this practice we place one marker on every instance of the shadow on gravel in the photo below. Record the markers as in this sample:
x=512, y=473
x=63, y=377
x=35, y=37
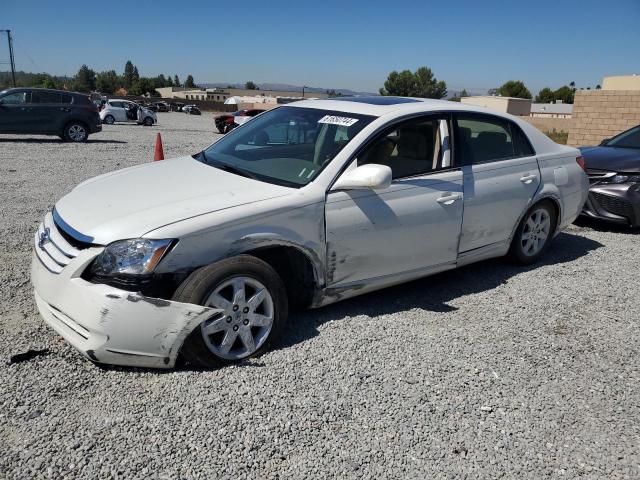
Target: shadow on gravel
x=53, y=140
x=433, y=293
x=602, y=226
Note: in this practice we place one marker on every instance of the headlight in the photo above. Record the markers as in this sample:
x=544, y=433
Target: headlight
x=622, y=178
x=138, y=256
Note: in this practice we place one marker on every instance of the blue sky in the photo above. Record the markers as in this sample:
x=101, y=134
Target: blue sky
x=332, y=44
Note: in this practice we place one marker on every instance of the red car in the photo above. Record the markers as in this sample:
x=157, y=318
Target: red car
x=227, y=122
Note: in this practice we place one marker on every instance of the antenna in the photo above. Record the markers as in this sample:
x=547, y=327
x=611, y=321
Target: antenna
x=12, y=61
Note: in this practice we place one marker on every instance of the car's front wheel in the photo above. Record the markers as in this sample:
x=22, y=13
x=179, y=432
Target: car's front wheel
x=109, y=120
x=147, y=122
x=534, y=233
x=75, y=132
x=253, y=308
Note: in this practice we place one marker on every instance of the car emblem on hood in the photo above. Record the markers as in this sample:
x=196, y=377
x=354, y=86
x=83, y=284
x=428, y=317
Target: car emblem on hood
x=44, y=238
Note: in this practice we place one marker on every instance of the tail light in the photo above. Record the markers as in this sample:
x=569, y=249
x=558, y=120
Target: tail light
x=580, y=161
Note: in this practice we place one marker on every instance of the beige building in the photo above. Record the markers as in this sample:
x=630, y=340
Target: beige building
x=514, y=106
x=621, y=82
x=551, y=110
x=222, y=94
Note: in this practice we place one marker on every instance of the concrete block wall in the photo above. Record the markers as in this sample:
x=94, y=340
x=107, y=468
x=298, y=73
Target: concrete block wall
x=600, y=114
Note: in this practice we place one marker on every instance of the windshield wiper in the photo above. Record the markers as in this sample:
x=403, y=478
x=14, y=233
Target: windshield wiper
x=231, y=169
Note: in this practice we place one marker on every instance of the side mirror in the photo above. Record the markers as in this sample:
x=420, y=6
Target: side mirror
x=371, y=176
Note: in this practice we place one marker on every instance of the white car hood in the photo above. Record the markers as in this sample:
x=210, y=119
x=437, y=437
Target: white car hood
x=131, y=202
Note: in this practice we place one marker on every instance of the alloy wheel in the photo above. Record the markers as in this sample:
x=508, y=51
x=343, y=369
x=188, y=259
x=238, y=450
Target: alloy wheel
x=246, y=320
x=77, y=133
x=535, y=232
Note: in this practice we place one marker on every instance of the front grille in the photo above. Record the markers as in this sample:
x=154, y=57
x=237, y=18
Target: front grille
x=597, y=176
x=52, y=247
x=615, y=205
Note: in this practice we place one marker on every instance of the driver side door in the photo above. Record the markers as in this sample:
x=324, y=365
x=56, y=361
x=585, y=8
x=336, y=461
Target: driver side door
x=412, y=227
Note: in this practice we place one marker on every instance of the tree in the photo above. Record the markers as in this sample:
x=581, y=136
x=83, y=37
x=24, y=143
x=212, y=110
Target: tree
x=251, y=86
x=127, y=77
x=493, y=91
x=189, y=82
x=135, y=76
x=333, y=93
x=458, y=96
x=176, y=81
x=545, y=96
x=169, y=82
x=598, y=87
x=514, y=88
x=144, y=86
x=107, y=82
x=48, y=82
x=565, y=94
x=85, y=80
x=421, y=84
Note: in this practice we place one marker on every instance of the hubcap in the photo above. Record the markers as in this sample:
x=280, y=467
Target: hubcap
x=536, y=232
x=245, y=322
x=77, y=133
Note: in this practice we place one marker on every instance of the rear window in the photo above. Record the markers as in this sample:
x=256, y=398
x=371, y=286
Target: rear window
x=46, y=97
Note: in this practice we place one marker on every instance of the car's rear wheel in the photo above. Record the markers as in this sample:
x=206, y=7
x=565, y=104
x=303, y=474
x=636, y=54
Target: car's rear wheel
x=109, y=120
x=534, y=233
x=253, y=303
x=147, y=122
x=76, y=132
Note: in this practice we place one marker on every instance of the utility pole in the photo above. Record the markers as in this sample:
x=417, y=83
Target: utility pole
x=12, y=61
x=303, y=87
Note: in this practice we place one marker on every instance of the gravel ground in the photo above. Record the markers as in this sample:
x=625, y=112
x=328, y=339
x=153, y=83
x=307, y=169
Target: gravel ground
x=491, y=371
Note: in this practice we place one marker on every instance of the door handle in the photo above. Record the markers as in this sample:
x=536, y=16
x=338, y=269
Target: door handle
x=448, y=199
x=65, y=109
x=528, y=179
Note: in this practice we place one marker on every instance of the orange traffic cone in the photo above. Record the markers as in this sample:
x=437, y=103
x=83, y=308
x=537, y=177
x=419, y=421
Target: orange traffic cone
x=159, y=152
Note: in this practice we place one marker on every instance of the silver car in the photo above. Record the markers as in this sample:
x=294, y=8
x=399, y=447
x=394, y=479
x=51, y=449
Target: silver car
x=204, y=256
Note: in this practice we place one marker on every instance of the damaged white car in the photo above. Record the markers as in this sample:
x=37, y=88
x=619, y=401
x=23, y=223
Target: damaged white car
x=204, y=256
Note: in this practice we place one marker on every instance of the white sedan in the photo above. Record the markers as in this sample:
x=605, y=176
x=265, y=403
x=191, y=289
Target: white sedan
x=126, y=111
x=305, y=205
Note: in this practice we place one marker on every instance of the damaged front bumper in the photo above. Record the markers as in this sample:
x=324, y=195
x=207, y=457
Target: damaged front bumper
x=109, y=325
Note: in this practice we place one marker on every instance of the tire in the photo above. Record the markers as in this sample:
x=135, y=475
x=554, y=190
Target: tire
x=534, y=233
x=76, y=132
x=147, y=122
x=222, y=339
x=109, y=120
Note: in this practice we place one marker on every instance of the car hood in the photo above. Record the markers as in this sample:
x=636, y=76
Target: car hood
x=131, y=202
x=612, y=158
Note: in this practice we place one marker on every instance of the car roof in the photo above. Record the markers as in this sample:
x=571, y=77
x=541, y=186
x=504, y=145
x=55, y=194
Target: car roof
x=37, y=89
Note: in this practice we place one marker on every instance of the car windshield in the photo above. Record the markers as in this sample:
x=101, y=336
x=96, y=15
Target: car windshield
x=628, y=139
x=287, y=145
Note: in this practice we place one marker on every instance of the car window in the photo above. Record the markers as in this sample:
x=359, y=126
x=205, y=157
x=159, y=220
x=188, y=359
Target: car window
x=66, y=98
x=628, y=139
x=45, y=97
x=415, y=147
x=16, y=98
x=522, y=144
x=287, y=145
x=484, y=139
x=117, y=104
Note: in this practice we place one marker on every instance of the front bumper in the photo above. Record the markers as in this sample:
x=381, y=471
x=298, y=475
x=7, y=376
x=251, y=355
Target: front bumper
x=616, y=203
x=106, y=324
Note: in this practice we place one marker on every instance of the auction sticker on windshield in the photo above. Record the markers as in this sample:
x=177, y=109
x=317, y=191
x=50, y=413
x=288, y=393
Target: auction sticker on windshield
x=335, y=120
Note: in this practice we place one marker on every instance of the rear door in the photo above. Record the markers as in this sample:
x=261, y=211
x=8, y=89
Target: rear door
x=118, y=111
x=48, y=111
x=501, y=176
x=15, y=112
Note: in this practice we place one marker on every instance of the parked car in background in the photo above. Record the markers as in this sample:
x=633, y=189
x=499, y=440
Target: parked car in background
x=126, y=111
x=229, y=121
x=191, y=110
x=305, y=205
x=613, y=168
x=161, y=106
x=71, y=116
x=176, y=106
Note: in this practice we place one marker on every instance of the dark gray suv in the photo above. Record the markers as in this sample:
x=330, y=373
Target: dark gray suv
x=71, y=116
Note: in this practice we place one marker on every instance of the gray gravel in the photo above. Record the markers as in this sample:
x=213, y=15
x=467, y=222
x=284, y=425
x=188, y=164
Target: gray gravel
x=492, y=371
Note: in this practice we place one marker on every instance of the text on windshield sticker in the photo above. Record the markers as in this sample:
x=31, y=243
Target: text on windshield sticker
x=335, y=120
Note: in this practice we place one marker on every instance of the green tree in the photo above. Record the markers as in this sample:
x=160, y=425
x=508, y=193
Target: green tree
x=135, y=76
x=169, y=81
x=127, y=77
x=514, y=88
x=251, y=86
x=458, y=96
x=189, y=82
x=144, y=86
x=564, y=93
x=85, y=80
x=493, y=91
x=107, y=82
x=420, y=83
x=598, y=87
x=333, y=93
x=545, y=96
x=176, y=81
